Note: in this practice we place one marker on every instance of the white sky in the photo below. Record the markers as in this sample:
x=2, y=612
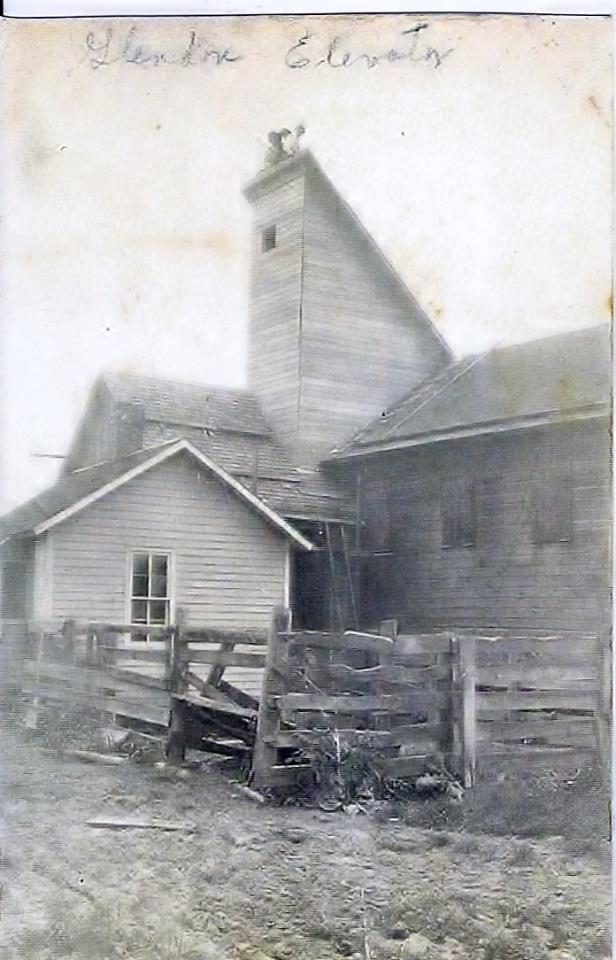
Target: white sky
x=487, y=182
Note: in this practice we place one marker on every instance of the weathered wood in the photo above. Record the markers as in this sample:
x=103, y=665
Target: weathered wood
x=140, y=679
x=145, y=710
x=218, y=668
x=216, y=706
x=291, y=702
x=265, y=753
x=491, y=704
x=225, y=658
x=238, y=696
x=535, y=676
x=133, y=654
x=351, y=640
x=166, y=825
x=90, y=756
x=564, y=730
x=465, y=647
x=422, y=643
x=225, y=748
x=176, y=740
x=239, y=637
x=69, y=633
x=94, y=681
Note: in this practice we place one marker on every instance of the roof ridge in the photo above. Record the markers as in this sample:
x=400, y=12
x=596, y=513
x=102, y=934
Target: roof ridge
x=105, y=375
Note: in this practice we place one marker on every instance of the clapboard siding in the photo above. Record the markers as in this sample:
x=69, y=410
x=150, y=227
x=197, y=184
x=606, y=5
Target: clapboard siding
x=334, y=338
x=229, y=564
x=275, y=305
x=364, y=342
x=505, y=579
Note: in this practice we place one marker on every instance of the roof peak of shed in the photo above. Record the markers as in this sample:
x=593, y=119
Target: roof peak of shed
x=79, y=490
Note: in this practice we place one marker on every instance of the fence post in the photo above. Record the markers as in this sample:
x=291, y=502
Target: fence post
x=265, y=752
x=465, y=648
x=32, y=712
x=69, y=633
x=176, y=738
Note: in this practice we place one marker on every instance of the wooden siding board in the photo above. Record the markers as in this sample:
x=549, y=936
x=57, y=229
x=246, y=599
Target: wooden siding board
x=228, y=563
x=362, y=341
x=505, y=579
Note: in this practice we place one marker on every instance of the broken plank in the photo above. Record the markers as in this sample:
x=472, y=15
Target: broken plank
x=141, y=825
x=239, y=697
x=208, y=703
x=90, y=756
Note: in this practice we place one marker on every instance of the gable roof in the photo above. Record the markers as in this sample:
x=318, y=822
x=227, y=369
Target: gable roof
x=80, y=489
x=561, y=377
x=173, y=401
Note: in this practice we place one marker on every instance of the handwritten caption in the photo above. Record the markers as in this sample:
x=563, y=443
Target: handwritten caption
x=309, y=51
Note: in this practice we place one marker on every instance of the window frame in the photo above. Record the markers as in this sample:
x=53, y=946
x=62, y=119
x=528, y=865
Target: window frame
x=446, y=514
x=540, y=532
x=170, y=598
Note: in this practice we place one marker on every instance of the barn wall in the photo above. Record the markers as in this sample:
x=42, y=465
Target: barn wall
x=229, y=564
x=505, y=579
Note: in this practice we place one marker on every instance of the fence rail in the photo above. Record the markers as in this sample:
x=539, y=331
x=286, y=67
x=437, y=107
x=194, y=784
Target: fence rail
x=459, y=697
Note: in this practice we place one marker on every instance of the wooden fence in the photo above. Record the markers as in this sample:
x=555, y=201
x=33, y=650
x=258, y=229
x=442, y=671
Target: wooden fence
x=460, y=698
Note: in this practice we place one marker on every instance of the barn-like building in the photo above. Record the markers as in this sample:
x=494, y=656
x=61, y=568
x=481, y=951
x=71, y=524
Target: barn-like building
x=365, y=473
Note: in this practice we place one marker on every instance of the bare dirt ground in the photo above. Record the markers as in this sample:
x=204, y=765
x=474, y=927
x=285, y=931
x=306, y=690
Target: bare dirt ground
x=422, y=882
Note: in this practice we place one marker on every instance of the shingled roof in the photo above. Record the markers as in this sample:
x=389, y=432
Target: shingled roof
x=77, y=491
x=292, y=493
x=173, y=401
x=552, y=379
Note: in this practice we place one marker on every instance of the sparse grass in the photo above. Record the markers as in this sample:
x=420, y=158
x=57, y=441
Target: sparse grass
x=241, y=888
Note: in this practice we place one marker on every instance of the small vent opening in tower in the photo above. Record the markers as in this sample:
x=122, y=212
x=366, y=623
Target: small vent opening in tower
x=268, y=238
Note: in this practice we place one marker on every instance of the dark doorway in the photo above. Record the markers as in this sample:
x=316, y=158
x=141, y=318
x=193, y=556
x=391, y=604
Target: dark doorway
x=310, y=591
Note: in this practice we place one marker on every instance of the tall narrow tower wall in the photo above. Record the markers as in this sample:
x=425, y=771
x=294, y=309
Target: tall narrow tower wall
x=335, y=336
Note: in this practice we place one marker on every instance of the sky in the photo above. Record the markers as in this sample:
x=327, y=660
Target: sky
x=479, y=157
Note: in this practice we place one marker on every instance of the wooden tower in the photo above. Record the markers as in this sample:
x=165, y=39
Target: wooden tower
x=335, y=336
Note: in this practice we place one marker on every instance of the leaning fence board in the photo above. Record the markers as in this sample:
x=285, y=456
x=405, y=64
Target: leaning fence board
x=209, y=703
x=141, y=679
x=92, y=680
x=146, y=711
